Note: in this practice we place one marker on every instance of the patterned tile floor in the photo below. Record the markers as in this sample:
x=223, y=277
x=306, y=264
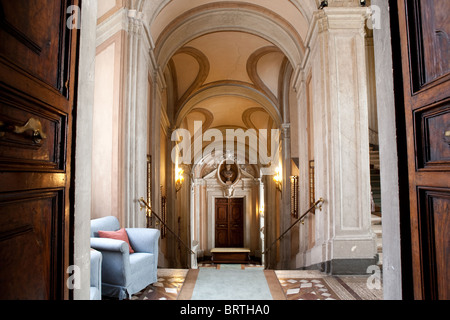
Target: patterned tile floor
x=314, y=285
x=296, y=285
x=168, y=287
x=307, y=289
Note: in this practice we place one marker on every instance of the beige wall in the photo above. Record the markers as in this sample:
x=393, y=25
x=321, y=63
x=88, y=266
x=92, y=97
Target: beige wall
x=106, y=155
x=106, y=8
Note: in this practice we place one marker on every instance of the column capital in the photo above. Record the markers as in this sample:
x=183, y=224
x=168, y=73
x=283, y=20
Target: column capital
x=343, y=18
x=135, y=22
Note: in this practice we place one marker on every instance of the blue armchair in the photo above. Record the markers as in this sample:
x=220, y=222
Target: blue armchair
x=96, y=275
x=124, y=274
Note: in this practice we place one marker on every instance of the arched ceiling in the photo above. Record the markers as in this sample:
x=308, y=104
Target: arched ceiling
x=226, y=59
x=297, y=13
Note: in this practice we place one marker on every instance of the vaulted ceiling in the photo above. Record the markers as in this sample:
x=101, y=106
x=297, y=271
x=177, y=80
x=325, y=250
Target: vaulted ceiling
x=223, y=63
x=227, y=63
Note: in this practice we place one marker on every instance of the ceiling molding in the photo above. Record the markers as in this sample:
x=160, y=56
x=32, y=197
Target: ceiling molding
x=229, y=88
x=204, y=68
x=208, y=116
x=252, y=70
x=246, y=117
x=230, y=16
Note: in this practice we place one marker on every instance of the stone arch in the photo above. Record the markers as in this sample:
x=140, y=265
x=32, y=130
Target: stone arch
x=249, y=19
x=229, y=88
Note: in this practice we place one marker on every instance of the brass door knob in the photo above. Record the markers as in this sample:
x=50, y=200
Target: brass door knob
x=33, y=124
x=447, y=137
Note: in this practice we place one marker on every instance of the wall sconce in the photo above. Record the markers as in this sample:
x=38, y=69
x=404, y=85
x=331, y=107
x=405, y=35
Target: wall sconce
x=179, y=179
x=323, y=4
x=278, y=180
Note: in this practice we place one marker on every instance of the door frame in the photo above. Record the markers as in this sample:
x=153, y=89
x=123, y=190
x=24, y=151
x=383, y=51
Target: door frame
x=82, y=147
x=397, y=270
x=395, y=195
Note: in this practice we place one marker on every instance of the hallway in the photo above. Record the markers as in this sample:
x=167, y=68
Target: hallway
x=306, y=134
x=179, y=284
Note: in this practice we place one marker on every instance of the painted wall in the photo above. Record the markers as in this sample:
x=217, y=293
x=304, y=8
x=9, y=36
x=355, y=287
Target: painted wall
x=107, y=129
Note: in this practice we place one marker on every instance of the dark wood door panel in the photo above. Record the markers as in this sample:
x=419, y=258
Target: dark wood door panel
x=433, y=136
x=38, y=74
x=32, y=135
x=222, y=214
x=434, y=226
x=221, y=237
x=229, y=223
x=35, y=32
x=236, y=237
x=428, y=32
x=435, y=34
x=29, y=251
x=236, y=213
x=424, y=31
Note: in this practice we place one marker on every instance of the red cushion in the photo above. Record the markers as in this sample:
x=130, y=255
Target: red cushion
x=118, y=235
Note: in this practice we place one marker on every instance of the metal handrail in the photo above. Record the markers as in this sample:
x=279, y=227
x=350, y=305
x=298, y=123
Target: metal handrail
x=146, y=205
x=317, y=203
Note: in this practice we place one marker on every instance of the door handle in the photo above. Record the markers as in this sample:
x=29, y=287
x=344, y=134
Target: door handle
x=33, y=125
x=447, y=137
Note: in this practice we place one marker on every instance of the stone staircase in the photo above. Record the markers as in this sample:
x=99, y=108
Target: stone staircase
x=376, y=195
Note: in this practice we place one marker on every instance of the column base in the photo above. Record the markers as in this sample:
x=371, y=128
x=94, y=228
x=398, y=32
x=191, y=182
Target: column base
x=344, y=266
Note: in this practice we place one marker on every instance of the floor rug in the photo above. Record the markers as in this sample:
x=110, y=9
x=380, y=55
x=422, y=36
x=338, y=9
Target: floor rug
x=230, y=282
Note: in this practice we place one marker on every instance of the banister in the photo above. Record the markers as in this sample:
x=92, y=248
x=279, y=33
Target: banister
x=144, y=204
x=318, y=204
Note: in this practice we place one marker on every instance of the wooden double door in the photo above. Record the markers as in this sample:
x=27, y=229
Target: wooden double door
x=38, y=67
x=424, y=79
x=229, y=224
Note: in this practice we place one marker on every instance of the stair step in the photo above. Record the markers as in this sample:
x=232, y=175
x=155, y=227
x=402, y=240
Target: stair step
x=375, y=219
x=377, y=229
x=376, y=185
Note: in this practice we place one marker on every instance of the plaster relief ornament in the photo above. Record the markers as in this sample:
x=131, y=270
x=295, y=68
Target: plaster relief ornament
x=228, y=176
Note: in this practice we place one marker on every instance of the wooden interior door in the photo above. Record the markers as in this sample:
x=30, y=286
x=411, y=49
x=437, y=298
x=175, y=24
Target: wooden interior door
x=229, y=223
x=425, y=36
x=37, y=94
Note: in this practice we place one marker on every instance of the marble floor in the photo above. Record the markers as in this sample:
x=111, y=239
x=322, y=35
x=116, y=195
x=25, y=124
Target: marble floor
x=293, y=285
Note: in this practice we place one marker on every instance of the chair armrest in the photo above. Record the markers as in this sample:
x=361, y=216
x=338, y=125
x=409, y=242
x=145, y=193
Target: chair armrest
x=144, y=240
x=106, y=244
x=96, y=269
x=116, y=269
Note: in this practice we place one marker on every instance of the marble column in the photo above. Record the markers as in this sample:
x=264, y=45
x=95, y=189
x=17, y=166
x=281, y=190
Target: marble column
x=344, y=240
x=135, y=126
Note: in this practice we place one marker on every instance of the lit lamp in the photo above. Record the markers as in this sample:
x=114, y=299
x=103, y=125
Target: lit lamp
x=278, y=180
x=179, y=179
x=261, y=211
